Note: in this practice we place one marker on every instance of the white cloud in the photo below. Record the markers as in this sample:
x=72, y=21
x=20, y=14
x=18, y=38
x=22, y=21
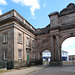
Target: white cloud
x=3, y=2
x=44, y=5
x=32, y=17
x=69, y=42
x=34, y=4
x=0, y=12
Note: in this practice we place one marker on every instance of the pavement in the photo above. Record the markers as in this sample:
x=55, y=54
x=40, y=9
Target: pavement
x=64, y=70
x=24, y=71
x=43, y=70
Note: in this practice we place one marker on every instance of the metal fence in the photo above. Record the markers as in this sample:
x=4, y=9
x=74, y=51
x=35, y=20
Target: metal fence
x=3, y=64
x=69, y=63
x=7, y=64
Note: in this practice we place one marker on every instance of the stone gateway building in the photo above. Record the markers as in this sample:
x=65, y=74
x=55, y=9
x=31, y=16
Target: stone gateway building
x=20, y=42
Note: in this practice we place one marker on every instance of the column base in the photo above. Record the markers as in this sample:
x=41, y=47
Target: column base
x=55, y=63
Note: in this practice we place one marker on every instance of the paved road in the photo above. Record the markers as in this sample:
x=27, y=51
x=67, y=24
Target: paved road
x=69, y=70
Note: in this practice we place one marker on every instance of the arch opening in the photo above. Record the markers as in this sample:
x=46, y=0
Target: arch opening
x=46, y=57
x=68, y=51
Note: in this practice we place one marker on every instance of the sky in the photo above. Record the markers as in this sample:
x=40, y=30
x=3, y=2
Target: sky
x=36, y=12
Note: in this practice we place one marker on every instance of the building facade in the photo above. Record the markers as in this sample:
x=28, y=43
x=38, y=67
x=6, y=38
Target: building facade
x=17, y=39
x=20, y=42
x=65, y=56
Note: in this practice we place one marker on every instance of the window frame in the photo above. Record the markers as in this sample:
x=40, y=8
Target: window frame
x=19, y=38
x=28, y=42
x=33, y=55
x=33, y=44
x=19, y=53
x=5, y=54
x=5, y=38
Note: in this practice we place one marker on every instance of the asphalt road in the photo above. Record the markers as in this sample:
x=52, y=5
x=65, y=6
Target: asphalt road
x=66, y=70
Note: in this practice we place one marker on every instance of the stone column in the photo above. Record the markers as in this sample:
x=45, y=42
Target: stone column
x=57, y=48
x=52, y=49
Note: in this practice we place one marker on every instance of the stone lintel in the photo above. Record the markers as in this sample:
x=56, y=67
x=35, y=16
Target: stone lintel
x=66, y=27
x=62, y=27
x=53, y=35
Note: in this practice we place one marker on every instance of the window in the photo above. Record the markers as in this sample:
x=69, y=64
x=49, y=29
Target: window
x=38, y=56
x=33, y=43
x=20, y=54
x=5, y=55
x=33, y=55
x=5, y=39
x=27, y=41
x=20, y=38
x=63, y=53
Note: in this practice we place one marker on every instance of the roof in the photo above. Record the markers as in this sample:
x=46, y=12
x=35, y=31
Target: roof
x=71, y=55
x=14, y=15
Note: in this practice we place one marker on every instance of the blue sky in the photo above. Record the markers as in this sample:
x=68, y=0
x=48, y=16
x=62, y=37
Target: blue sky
x=36, y=12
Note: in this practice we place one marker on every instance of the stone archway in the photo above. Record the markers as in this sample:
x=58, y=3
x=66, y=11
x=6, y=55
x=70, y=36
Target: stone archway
x=62, y=26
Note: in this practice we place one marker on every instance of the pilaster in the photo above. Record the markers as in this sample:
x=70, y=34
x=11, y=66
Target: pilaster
x=52, y=49
x=57, y=48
